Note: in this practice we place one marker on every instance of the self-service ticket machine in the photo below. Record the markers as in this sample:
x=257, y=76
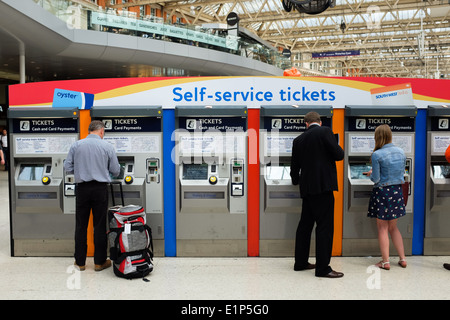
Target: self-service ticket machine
x=437, y=213
x=280, y=202
x=360, y=236
x=211, y=187
x=42, y=196
x=136, y=134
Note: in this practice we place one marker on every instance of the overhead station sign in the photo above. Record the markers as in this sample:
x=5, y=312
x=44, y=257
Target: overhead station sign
x=335, y=54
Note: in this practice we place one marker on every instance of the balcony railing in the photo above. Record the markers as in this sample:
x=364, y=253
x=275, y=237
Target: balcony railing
x=83, y=14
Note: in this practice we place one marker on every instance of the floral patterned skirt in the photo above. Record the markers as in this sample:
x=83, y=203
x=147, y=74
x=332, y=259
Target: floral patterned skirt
x=386, y=203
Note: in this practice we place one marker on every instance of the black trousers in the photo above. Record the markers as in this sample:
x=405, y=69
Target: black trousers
x=316, y=209
x=6, y=157
x=93, y=196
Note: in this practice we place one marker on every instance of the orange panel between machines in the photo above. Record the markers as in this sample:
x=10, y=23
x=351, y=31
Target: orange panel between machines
x=338, y=127
x=85, y=120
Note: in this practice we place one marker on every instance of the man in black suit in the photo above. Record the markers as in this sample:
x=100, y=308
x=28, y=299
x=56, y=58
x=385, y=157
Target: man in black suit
x=313, y=168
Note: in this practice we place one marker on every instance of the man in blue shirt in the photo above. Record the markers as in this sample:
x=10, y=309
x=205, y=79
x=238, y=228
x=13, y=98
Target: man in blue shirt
x=92, y=160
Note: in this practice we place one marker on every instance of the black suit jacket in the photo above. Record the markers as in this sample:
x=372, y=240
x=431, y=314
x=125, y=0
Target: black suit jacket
x=313, y=162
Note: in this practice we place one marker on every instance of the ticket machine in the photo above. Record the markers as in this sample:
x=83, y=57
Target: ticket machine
x=211, y=173
x=280, y=202
x=437, y=214
x=136, y=134
x=360, y=236
x=42, y=196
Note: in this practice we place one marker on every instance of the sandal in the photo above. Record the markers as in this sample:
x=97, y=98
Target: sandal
x=384, y=265
x=402, y=263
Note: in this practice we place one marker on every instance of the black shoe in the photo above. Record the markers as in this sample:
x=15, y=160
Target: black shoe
x=309, y=266
x=332, y=274
x=447, y=266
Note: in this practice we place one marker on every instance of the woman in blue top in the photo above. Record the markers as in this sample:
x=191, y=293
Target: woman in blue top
x=386, y=202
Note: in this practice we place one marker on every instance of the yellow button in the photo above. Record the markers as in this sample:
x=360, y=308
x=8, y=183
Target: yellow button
x=213, y=179
x=128, y=179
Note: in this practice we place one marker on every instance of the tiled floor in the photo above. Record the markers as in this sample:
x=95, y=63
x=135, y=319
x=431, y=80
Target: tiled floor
x=216, y=278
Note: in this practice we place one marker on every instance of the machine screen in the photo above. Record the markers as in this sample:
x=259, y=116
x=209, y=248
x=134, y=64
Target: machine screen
x=441, y=171
x=29, y=172
x=356, y=171
x=278, y=172
x=195, y=171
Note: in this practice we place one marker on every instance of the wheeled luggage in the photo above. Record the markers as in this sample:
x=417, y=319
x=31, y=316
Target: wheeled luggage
x=130, y=240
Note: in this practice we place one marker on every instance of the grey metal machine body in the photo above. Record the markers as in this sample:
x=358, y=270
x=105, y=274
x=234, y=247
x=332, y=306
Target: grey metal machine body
x=42, y=196
x=280, y=202
x=360, y=236
x=211, y=188
x=136, y=134
x=437, y=201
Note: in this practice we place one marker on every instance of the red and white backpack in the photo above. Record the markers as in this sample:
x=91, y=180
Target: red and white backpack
x=130, y=241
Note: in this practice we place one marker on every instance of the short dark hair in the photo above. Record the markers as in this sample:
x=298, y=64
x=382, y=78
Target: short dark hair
x=311, y=117
x=95, y=125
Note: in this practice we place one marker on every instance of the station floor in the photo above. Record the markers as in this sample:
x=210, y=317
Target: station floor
x=235, y=279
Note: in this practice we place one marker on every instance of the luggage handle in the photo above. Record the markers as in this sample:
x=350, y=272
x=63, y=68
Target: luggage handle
x=112, y=192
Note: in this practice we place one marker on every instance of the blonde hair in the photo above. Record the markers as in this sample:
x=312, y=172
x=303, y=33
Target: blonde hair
x=383, y=135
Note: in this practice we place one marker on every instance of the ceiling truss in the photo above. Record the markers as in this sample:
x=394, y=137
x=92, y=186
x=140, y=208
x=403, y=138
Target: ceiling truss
x=386, y=32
